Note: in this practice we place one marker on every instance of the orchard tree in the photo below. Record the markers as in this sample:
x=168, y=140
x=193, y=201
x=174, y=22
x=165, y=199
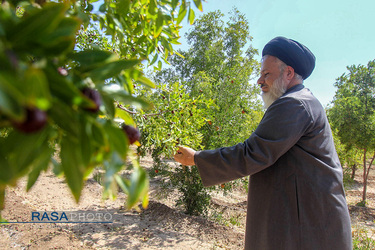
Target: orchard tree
x=59, y=97
x=219, y=65
x=175, y=120
x=207, y=100
x=353, y=114
x=349, y=156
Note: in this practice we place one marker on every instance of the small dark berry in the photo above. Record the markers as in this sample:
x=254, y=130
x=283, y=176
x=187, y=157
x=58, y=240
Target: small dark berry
x=132, y=133
x=93, y=95
x=35, y=120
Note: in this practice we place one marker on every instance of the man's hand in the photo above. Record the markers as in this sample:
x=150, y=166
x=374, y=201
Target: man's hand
x=185, y=156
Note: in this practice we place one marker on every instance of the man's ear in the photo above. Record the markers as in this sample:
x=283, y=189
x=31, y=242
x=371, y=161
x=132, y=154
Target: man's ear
x=289, y=73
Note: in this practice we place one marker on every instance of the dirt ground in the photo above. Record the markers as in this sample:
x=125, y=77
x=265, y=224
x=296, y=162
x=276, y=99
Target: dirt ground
x=161, y=226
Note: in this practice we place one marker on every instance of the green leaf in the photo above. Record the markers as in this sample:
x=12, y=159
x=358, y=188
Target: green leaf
x=41, y=164
x=117, y=139
x=159, y=24
x=97, y=133
x=6, y=171
x=2, y=199
x=103, y=8
x=174, y=4
x=123, y=184
x=182, y=12
x=85, y=141
x=198, y=4
x=152, y=7
x=21, y=158
x=89, y=59
x=111, y=69
x=125, y=116
x=109, y=105
x=191, y=16
x=36, y=88
x=10, y=99
x=154, y=59
x=62, y=40
x=123, y=7
x=179, y=54
x=113, y=166
x=138, y=187
x=64, y=117
x=124, y=97
x=37, y=23
x=71, y=162
x=146, y=82
x=90, y=7
x=64, y=90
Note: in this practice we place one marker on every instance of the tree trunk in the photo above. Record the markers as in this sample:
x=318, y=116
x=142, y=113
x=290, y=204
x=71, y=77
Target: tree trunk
x=354, y=168
x=364, y=178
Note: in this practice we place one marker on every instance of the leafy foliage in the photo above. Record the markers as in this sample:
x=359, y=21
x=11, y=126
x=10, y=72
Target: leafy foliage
x=195, y=198
x=204, y=100
x=44, y=68
x=219, y=65
x=353, y=113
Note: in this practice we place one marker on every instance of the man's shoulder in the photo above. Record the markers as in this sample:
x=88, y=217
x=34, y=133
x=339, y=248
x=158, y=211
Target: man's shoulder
x=302, y=94
x=305, y=97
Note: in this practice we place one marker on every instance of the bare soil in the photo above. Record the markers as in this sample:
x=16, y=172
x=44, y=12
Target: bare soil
x=161, y=226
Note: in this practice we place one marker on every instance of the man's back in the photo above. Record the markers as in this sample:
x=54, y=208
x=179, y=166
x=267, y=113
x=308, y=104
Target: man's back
x=298, y=202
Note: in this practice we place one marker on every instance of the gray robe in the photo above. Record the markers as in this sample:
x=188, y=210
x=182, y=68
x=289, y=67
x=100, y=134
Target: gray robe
x=296, y=198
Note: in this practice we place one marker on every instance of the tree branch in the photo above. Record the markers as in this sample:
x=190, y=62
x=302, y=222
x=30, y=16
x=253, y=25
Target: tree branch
x=136, y=113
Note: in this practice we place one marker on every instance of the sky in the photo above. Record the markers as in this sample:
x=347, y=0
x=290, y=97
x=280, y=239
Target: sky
x=340, y=33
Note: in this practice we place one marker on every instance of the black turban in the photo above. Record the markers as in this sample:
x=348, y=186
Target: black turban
x=292, y=53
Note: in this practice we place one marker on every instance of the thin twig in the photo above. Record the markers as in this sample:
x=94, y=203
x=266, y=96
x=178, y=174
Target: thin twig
x=136, y=113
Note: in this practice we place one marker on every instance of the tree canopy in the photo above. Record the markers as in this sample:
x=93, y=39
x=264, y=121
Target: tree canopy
x=220, y=65
x=353, y=112
x=204, y=100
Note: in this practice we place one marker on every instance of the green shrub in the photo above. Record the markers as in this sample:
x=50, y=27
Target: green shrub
x=195, y=197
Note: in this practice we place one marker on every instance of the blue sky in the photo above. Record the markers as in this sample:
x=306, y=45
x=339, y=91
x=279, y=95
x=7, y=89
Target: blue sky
x=338, y=32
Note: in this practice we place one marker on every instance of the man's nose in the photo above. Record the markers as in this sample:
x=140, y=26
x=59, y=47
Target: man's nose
x=260, y=80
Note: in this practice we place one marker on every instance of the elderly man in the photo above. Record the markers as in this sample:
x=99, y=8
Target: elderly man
x=296, y=198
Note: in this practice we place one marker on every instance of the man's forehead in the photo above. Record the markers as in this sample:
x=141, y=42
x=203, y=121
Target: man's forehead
x=268, y=62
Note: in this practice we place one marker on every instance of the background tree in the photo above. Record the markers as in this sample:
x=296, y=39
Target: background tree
x=350, y=158
x=353, y=113
x=213, y=77
x=219, y=65
x=59, y=98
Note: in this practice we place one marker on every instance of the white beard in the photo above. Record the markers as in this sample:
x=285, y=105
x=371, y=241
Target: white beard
x=277, y=89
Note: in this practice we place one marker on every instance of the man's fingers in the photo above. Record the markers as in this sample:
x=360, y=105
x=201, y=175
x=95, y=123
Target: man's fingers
x=180, y=150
